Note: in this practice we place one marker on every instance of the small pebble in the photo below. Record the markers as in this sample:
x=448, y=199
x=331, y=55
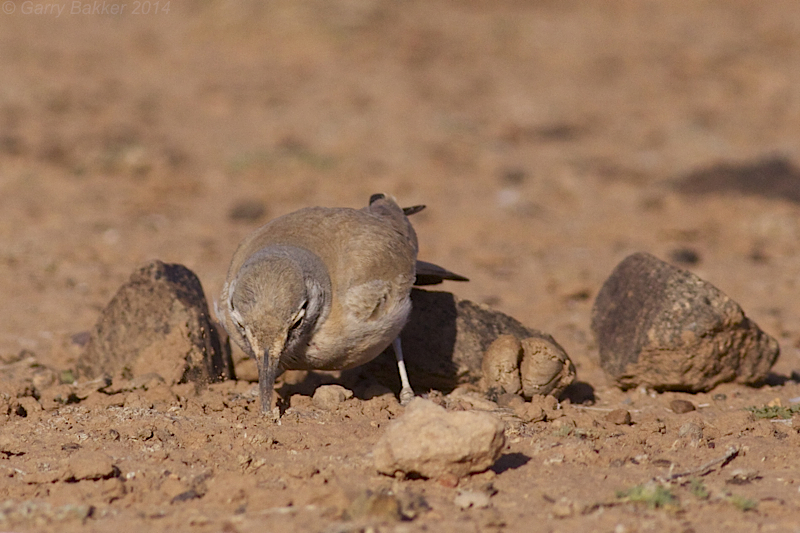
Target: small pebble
x=742, y=476
x=563, y=508
x=81, y=338
x=691, y=430
x=247, y=211
x=43, y=377
x=513, y=176
x=510, y=400
x=681, y=406
x=134, y=400
x=186, y=496
x=448, y=480
x=329, y=397
x=529, y=412
x=89, y=465
x=299, y=401
x=472, y=498
x=619, y=417
x=685, y=256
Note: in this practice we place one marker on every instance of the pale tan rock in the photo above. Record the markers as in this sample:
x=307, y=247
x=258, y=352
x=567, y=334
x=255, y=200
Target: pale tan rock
x=434, y=443
x=545, y=368
x=500, y=365
x=329, y=397
x=89, y=465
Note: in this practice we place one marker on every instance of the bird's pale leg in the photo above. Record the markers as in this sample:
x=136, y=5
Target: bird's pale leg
x=406, y=392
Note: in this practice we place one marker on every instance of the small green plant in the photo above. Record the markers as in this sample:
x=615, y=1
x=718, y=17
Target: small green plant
x=586, y=433
x=742, y=503
x=698, y=489
x=564, y=431
x=774, y=411
x=652, y=494
x=248, y=160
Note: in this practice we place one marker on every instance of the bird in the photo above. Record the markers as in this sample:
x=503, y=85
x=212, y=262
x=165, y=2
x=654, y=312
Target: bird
x=325, y=289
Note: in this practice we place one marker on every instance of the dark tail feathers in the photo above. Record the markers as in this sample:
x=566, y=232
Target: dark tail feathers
x=430, y=274
x=406, y=210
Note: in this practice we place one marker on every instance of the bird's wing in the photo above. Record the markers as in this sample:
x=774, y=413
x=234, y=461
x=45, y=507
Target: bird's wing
x=386, y=209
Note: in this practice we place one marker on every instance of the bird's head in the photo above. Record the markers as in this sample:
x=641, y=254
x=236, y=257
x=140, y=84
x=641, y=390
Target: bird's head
x=273, y=306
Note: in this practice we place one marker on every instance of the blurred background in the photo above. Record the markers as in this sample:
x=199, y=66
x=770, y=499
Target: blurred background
x=549, y=140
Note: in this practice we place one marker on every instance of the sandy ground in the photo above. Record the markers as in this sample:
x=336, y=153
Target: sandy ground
x=549, y=139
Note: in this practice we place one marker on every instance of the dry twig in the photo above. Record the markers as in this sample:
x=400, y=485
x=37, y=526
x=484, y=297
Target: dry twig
x=704, y=469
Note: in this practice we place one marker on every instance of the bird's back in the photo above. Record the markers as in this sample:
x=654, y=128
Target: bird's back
x=363, y=243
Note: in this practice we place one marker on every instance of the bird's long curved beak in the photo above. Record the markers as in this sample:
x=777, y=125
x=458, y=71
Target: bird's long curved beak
x=267, y=371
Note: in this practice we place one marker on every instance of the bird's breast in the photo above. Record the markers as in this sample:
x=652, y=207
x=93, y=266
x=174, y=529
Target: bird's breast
x=358, y=331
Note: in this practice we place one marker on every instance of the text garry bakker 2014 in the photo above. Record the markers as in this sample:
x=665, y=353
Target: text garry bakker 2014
x=77, y=7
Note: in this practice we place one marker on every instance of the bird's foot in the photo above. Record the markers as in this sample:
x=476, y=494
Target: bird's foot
x=406, y=395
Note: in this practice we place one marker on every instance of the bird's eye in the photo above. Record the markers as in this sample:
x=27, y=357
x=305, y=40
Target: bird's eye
x=298, y=317
x=236, y=318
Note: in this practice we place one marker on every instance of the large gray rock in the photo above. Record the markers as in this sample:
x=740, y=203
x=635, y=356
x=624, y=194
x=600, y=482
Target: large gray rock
x=445, y=341
x=664, y=327
x=158, y=322
x=434, y=443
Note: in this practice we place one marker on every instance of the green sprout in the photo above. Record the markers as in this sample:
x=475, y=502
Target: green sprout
x=652, y=494
x=698, y=489
x=774, y=411
x=742, y=503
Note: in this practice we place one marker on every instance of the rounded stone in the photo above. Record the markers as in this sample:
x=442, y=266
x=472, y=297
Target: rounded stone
x=545, y=368
x=681, y=406
x=434, y=443
x=500, y=365
x=619, y=417
x=328, y=397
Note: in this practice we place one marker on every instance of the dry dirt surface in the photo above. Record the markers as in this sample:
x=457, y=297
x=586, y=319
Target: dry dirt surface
x=550, y=139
